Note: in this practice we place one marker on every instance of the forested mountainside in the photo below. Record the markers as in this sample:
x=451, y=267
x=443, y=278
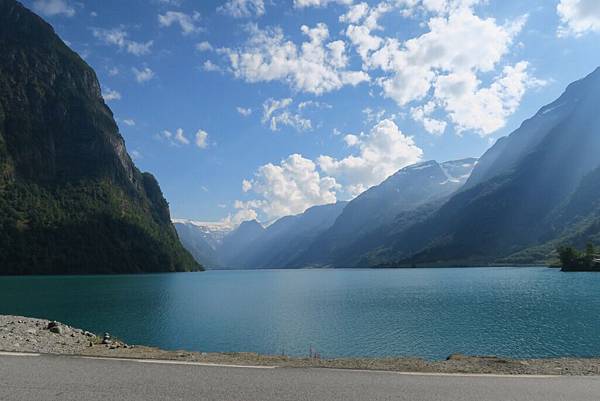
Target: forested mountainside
x=71, y=199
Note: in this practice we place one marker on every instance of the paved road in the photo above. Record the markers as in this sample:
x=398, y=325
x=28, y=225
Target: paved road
x=67, y=378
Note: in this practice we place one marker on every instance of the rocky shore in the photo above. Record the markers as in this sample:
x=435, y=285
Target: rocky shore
x=22, y=334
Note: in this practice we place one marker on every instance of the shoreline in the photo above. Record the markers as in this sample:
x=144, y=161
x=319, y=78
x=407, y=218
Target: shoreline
x=29, y=335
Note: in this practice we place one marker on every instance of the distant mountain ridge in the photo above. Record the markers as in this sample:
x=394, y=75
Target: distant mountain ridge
x=411, y=190
x=71, y=199
x=203, y=239
x=335, y=234
x=513, y=202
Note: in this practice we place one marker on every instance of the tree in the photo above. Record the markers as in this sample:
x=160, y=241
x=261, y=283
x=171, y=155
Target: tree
x=569, y=257
x=590, y=254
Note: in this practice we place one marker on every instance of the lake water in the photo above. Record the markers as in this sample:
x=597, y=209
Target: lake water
x=431, y=313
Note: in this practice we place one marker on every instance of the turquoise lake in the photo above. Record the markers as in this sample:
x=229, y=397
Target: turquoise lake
x=431, y=313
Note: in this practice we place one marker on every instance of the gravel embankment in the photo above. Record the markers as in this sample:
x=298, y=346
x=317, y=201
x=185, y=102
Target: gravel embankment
x=21, y=334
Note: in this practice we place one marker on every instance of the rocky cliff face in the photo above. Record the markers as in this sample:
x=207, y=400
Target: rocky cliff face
x=71, y=199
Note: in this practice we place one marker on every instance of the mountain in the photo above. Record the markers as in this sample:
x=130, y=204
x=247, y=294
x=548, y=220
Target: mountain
x=71, y=199
x=237, y=242
x=203, y=239
x=525, y=193
x=281, y=243
x=399, y=201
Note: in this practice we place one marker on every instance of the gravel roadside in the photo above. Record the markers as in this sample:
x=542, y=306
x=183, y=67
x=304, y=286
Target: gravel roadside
x=22, y=334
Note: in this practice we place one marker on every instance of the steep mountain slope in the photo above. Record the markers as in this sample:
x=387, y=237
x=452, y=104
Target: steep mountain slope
x=510, y=202
x=236, y=244
x=71, y=199
x=405, y=196
x=284, y=240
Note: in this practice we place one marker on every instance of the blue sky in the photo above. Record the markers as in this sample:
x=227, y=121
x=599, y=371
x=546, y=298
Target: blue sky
x=261, y=108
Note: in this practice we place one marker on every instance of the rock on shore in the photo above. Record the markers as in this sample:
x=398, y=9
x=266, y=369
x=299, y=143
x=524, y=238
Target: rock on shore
x=21, y=334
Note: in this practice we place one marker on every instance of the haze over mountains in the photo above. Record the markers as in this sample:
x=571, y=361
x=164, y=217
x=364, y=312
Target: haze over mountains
x=326, y=235
x=533, y=190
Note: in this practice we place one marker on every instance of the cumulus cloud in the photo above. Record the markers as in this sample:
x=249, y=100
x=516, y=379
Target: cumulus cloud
x=379, y=154
x=319, y=3
x=143, y=75
x=290, y=187
x=118, y=37
x=316, y=66
x=130, y=122
x=457, y=43
x=243, y=8
x=483, y=109
x=244, y=213
x=209, y=66
x=50, y=8
x=186, y=22
x=578, y=17
x=109, y=95
x=298, y=183
x=178, y=138
x=201, y=139
x=423, y=113
x=277, y=113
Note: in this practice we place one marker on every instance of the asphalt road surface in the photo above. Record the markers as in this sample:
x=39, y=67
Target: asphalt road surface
x=32, y=378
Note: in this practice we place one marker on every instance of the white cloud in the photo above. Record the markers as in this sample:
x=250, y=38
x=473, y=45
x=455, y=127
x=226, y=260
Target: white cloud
x=180, y=137
x=373, y=116
x=314, y=104
x=201, y=139
x=244, y=213
x=209, y=66
x=297, y=183
x=129, y=122
x=578, y=17
x=316, y=66
x=186, y=22
x=243, y=8
x=355, y=14
x=50, y=8
x=109, y=95
x=277, y=113
x=290, y=187
x=176, y=3
x=244, y=111
x=457, y=43
x=423, y=113
x=118, y=37
x=139, y=49
x=319, y=3
x=483, y=109
x=143, y=75
x=204, y=47
x=380, y=153
x=114, y=71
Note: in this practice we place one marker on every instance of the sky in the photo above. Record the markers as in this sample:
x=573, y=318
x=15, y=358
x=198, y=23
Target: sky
x=257, y=109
